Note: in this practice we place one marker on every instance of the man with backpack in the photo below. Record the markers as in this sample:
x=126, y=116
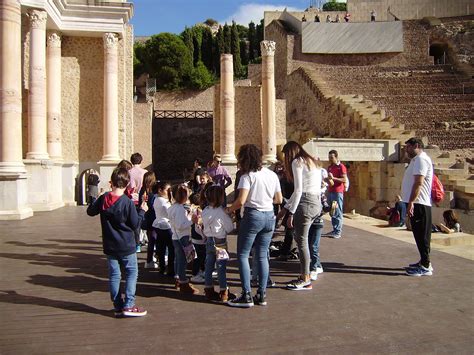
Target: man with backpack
x=416, y=193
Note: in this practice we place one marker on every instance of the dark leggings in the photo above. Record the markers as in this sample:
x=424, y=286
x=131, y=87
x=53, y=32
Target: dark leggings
x=151, y=234
x=200, y=262
x=163, y=241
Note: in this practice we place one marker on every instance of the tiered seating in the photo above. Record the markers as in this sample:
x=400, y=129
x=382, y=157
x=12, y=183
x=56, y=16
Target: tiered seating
x=428, y=99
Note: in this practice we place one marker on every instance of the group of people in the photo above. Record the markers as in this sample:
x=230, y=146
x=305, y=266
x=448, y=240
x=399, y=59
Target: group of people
x=190, y=225
x=317, y=18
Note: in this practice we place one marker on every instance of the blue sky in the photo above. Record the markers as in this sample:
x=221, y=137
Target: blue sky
x=155, y=16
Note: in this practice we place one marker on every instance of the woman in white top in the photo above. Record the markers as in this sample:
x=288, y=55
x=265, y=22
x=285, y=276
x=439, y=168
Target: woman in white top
x=304, y=204
x=259, y=188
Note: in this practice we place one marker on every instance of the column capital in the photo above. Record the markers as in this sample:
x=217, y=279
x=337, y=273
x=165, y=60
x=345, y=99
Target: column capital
x=38, y=18
x=54, y=39
x=110, y=40
x=267, y=48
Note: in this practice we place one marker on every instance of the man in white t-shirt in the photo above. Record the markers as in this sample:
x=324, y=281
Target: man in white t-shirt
x=416, y=193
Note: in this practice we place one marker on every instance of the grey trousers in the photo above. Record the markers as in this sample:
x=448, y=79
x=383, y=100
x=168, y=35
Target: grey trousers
x=308, y=209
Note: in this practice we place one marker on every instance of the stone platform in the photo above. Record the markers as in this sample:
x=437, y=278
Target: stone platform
x=54, y=298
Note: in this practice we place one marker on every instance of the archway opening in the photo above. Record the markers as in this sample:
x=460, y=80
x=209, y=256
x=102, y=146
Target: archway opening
x=439, y=52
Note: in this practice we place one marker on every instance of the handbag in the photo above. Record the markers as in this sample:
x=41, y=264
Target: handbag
x=188, y=248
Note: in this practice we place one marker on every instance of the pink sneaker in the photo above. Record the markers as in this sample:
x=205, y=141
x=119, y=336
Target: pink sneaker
x=134, y=312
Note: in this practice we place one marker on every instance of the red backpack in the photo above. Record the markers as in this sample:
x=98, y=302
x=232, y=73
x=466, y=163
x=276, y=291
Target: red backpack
x=437, y=190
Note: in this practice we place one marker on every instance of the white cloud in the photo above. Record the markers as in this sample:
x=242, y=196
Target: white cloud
x=253, y=12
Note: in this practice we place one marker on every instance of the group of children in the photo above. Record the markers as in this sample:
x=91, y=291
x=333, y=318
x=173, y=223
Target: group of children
x=177, y=230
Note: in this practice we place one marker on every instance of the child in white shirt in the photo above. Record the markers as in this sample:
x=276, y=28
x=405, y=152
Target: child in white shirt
x=180, y=221
x=216, y=224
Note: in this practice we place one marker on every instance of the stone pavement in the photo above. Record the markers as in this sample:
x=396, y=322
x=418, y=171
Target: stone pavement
x=54, y=299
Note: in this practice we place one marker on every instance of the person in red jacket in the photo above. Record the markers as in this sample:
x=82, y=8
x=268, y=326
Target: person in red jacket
x=337, y=180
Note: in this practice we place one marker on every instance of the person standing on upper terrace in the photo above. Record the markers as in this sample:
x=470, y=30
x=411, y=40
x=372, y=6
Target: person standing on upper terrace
x=416, y=193
x=372, y=15
x=337, y=178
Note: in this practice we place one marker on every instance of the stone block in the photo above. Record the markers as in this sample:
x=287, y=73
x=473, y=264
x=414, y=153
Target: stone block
x=14, y=197
x=45, y=191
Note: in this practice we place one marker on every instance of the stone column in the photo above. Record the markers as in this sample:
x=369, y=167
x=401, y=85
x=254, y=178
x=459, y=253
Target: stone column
x=13, y=182
x=268, y=101
x=111, y=133
x=227, y=119
x=37, y=147
x=10, y=88
x=53, y=66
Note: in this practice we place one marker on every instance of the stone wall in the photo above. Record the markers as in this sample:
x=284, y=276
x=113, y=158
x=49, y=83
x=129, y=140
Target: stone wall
x=125, y=91
x=255, y=74
x=408, y=10
x=185, y=100
x=82, y=98
x=142, y=131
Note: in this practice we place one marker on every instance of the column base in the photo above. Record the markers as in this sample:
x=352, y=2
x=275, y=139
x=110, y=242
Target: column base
x=110, y=159
x=269, y=158
x=228, y=159
x=12, y=168
x=37, y=156
x=44, y=184
x=13, y=198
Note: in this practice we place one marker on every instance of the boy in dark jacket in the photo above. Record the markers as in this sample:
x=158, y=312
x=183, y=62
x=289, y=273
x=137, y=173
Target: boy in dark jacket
x=119, y=219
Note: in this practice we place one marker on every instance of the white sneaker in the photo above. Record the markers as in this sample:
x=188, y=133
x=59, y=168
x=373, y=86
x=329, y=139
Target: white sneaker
x=214, y=274
x=151, y=265
x=313, y=275
x=319, y=270
x=197, y=279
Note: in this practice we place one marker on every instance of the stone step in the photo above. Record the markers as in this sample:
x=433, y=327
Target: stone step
x=464, y=200
x=452, y=239
x=449, y=171
x=468, y=189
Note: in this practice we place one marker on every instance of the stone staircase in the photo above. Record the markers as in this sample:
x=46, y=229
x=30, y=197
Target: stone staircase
x=367, y=120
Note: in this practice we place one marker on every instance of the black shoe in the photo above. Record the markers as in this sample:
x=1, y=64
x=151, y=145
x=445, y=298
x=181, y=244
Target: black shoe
x=243, y=301
x=260, y=299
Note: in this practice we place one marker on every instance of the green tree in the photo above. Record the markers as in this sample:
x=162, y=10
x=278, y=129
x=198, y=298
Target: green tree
x=218, y=49
x=210, y=22
x=332, y=5
x=227, y=39
x=138, y=59
x=207, y=49
x=168, y=60
x=187, y=37
x=260, y=34
x=197, y=42
x=235, y=50
x=201, y=78
x=244, y=53
x=252, y=38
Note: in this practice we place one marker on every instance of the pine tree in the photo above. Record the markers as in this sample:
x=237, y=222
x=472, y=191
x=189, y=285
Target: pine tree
x=252, y=38
x=244, y=53
x=197, y=42
x=207, y=49
x=235, y=50
x=260, y=31
x=227, y=39
x=187, y=37
x=218, y=49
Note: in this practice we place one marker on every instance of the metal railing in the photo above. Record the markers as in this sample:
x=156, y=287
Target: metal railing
x=183, y=114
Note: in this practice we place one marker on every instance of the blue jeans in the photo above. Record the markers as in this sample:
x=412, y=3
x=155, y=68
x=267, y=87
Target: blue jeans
x=256, y=226
x=129, y=263
x=210, y=262
x=314, y=237
x=255, y=266
x=180, y=258
x=337, y=218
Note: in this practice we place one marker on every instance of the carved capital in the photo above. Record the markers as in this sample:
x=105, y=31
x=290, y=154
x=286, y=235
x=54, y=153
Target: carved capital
x=110, y=41
x=37, y=19
x=54, y=39
x=267, y=48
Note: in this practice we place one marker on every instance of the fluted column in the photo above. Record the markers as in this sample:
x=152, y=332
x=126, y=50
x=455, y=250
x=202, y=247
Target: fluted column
x=37, y=147
x=268, y=101
x=227, y=119
x=53, y=71
x=111, y=134
x=10, y=88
